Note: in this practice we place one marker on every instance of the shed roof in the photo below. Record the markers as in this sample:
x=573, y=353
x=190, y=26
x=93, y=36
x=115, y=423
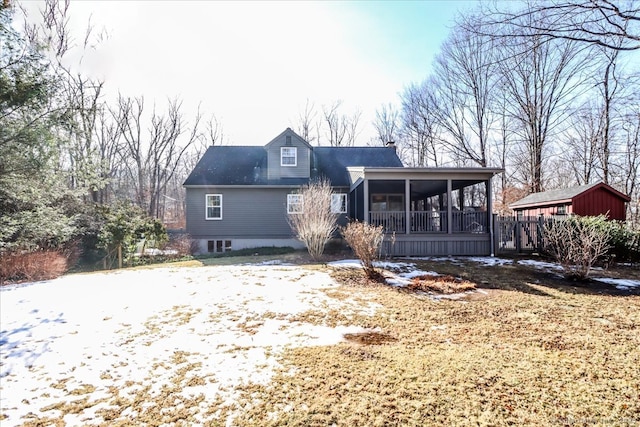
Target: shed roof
x=562, y=195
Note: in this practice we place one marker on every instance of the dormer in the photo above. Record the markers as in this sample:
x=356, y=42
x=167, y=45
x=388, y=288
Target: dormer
x=288, y=156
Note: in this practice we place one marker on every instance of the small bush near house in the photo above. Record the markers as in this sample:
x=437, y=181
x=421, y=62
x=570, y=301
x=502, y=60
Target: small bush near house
x=577, y=243
x=182, y=243
x=32, y=266
x=365, y=240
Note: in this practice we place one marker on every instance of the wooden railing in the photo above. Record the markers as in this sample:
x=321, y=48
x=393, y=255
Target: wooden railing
x=390, y=220
x=428, y=221
x=469, y=222
x=431, y=221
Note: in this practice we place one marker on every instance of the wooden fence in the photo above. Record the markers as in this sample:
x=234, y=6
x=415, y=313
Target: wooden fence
x=514, y=234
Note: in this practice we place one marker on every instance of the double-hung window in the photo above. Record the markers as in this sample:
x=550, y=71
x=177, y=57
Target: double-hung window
x=213, y=206
x=294, y=203
x=288, y=156
x=339, y=203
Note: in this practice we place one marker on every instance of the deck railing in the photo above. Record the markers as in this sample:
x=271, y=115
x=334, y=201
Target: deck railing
x=469, y=222
x=430, y=221
x=390, y=220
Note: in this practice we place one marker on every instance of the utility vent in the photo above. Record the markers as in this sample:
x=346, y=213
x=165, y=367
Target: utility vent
x=288, y=140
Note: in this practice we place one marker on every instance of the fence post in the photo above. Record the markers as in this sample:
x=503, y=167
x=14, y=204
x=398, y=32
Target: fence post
x=518, y=235
x=540, y=233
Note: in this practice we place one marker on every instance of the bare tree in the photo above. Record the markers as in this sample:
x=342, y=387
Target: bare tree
x=612, y=24
x=629, y=162
x=541, y=80
x=335, y=126
x=466, y=76
x=307, y=122
x=340, y=129
x=387, y=124
x=420, y=124
x=214, y=132
x=152, y=160
x=582, y=142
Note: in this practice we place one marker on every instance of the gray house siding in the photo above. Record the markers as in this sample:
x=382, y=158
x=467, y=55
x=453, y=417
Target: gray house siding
x=246, y=213
x=303, y=166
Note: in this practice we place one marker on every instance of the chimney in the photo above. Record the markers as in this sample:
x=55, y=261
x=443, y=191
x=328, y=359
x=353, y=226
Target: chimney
x=392, y=145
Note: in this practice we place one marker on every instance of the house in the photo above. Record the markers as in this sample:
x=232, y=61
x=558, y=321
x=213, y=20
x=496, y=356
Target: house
x=240, y=197
x=585, y=200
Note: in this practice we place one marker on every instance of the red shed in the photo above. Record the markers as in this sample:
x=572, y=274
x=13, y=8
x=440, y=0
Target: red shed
x=591, y=199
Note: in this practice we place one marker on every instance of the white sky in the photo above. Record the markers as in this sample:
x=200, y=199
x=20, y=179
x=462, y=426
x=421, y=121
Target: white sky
x=254, y=64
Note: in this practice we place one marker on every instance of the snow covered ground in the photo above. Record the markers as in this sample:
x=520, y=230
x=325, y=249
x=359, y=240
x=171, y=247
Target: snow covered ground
x=107, y=338
x=108, y=335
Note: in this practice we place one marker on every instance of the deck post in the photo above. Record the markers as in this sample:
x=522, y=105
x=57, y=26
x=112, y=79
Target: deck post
x=365, y=187
x=407, y=206
x=490, y=218
x=449, y=208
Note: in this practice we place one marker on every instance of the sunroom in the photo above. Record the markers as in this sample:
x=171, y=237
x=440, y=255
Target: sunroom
x=426, y=211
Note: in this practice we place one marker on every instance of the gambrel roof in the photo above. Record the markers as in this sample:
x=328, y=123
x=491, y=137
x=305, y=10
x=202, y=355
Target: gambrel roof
x=247, y=165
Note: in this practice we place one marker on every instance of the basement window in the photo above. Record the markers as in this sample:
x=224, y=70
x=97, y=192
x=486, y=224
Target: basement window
x=218, y=246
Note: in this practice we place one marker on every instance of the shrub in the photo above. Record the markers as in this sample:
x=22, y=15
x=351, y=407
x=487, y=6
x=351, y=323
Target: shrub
x=124, y=225
x=577, y=243
x=315, y=224
x=365, y=241
x=182, y=243
x=624, y=242
x=32, y=266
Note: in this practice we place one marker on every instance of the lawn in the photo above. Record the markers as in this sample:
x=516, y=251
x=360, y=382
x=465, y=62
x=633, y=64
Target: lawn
x=317, y=345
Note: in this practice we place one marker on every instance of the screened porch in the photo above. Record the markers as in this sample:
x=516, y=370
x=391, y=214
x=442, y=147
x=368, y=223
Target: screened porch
x=427, y=210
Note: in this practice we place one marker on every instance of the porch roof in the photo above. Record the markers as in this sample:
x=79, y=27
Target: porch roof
x=358, y=174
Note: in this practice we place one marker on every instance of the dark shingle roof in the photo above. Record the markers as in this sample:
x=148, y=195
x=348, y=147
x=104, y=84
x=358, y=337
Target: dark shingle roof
x=548, y=197
x=332, y=162
x=229, y=166
x=247, y=165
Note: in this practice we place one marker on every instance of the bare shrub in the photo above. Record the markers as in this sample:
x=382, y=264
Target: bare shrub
x=182, y=243
x=577, y=243
x=32, y=266
x=365, y=241
x=315, y=224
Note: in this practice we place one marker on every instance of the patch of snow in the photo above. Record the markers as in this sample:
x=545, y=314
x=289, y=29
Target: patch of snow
x=621, y=284
x=490, y=261
x=132, y=328
x=404, y=279
x=346, y=263
x=540, y=264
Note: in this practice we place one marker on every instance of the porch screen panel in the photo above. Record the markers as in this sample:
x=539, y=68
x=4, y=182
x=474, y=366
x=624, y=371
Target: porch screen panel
x=428, y=206
x=469, y=202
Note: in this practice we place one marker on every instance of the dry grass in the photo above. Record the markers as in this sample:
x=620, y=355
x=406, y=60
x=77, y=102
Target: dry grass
x=32, y=266
x=528, y=349
x=440, y=284
x=532, y=349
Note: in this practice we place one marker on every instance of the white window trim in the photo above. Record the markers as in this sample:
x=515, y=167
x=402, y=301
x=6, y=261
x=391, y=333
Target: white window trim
x=206, y=207
x=295, y=156
x=291, y=203
x=342, y=197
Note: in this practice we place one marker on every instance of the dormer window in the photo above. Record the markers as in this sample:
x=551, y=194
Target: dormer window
x=288, y=156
